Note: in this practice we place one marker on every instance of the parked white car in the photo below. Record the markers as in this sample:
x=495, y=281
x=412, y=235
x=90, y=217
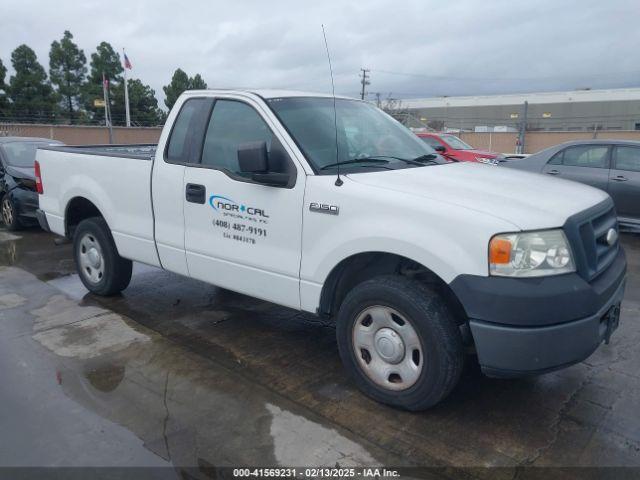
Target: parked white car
x=347, y=214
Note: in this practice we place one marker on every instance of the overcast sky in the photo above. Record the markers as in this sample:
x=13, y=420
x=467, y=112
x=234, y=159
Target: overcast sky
x=414, y=48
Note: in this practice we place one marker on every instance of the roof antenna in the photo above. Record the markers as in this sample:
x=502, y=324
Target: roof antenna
x=339, y=181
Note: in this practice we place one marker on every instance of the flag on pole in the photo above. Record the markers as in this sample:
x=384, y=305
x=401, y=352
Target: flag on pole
x=127, y=64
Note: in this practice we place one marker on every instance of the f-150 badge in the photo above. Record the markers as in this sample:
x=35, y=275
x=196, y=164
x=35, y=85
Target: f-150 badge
x=324, y=208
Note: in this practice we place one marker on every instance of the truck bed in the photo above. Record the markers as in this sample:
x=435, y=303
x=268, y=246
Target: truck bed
x=135, y=150
x=116, y=179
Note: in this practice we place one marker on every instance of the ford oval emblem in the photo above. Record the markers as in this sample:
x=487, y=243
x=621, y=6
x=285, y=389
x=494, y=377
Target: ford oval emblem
x=612, y=236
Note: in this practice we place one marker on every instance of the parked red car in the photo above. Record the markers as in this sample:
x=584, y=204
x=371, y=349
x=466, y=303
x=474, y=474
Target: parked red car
x=452, y=148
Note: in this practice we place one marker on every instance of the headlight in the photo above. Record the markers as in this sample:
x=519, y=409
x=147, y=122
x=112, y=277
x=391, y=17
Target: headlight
x=530, y=254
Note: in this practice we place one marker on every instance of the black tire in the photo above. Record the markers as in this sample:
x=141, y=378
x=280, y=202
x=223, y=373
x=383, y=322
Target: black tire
x=439, y=337
x=116, y=273
x=10, y=214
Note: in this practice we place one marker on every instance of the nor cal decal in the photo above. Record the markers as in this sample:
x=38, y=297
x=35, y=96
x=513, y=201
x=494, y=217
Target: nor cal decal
x=220, y=203
x=238, y=221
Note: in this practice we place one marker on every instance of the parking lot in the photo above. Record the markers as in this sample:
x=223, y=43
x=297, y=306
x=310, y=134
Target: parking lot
x=177, y=372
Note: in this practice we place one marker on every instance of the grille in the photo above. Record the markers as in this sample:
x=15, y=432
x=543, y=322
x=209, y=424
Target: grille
x=598, y=254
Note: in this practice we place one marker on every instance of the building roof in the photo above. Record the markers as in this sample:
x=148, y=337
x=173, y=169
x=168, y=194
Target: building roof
x=573, y=96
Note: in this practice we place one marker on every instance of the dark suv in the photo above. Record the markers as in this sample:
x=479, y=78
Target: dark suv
x=611, y=165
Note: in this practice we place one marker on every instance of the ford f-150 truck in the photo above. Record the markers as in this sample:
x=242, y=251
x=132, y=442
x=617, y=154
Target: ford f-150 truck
x=328, y=205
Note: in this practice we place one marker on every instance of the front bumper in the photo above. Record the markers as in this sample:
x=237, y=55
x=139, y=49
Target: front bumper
x=531, y=326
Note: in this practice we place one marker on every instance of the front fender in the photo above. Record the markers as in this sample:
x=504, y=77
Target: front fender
x=447, y=239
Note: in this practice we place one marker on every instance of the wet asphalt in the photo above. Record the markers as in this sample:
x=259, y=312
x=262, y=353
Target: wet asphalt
x=178, y=373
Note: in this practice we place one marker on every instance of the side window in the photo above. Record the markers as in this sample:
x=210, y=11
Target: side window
x=590, y=156
x=432, y=142
x=232, y=124
x=557, y=158
x=187, y=131
x=627, y=158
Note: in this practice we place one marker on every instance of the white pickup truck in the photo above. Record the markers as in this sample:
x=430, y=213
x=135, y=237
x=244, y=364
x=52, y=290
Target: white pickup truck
x=330, y=206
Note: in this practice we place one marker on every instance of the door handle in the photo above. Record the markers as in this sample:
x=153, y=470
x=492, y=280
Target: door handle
x=553, y=172
x=620, y=178
x=195, y=193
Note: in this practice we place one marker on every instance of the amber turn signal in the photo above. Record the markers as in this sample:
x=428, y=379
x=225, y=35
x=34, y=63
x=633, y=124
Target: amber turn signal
x=499, y=251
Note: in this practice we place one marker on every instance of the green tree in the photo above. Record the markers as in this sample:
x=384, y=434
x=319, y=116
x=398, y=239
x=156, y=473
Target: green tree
x=197, y=83
x=179, y=83
x=104, y=60
x=4, y=103
x=31, y=94
x=143, y=104
x=67, y=70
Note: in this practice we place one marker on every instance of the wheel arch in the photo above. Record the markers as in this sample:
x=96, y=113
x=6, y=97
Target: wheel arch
x=78, y=209
x=360, y=267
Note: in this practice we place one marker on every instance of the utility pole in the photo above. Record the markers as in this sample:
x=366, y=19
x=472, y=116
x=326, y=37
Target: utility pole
x=107, y=106
x=364, y=80
x=523, y=128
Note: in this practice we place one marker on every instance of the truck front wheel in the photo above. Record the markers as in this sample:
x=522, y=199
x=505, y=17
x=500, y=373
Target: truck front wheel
x=102, y=270
x=399, y=341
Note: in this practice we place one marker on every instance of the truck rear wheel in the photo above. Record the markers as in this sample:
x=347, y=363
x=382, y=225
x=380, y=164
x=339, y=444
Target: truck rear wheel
x=400, y=343
x=102, y=270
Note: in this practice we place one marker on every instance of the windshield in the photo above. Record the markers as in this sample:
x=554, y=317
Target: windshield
x=364, y=132
x=21, y=154
x=455, y=143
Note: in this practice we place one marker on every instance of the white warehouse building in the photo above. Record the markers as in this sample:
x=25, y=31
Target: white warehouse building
x=578, y=110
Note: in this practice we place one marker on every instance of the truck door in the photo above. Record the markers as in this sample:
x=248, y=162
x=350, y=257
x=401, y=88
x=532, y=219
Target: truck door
x=624, y=182
x=167, y=182
x=240, y=234
x=582, y=163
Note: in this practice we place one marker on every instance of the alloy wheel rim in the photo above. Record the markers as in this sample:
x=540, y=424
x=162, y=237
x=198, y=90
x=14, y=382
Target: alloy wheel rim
x=387, y=348
x=7, y=211
x=91, y=259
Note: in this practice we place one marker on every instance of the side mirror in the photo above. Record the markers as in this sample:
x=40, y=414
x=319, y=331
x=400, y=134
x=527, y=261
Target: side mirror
x=440, y=149
x=254, y=159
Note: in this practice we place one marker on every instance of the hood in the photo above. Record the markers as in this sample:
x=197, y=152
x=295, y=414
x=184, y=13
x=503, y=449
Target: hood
x=21, y=172
x=527, y=200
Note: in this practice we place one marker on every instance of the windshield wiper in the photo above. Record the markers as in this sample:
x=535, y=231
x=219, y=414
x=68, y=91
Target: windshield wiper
x=356, y=160
x=381, y=158
x=419, y=161
x=427, y=157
